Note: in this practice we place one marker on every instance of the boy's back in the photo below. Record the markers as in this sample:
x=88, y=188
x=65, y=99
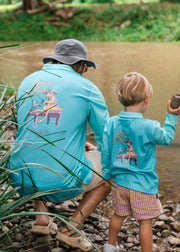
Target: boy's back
x=132, y=144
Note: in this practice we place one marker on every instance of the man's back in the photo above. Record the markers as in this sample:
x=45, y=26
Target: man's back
x=54, y=116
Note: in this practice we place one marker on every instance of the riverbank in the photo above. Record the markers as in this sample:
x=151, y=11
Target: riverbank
x=166, y=229
x=132, y=23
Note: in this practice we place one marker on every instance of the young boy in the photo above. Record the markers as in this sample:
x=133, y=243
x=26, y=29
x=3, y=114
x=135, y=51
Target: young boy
x=129, y=161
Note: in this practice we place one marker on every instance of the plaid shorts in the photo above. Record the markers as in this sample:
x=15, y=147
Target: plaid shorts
x=141, y=206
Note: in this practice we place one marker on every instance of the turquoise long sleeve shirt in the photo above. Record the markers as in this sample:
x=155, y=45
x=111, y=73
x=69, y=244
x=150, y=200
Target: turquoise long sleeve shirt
x=129, y=149
x=54, y=107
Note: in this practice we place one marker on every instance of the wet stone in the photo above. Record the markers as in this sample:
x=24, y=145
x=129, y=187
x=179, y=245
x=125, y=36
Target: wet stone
x=93, y=217
x=134, y=249
x=165, y=232
x=57, y=250
x=5, y=229
x=129, y=245
x=177, y=235
x=174, y=241
x=175, y=225
x=98, y=238
x=130, y=240
x=160, y=224
x=19, y=237
x=163, y=217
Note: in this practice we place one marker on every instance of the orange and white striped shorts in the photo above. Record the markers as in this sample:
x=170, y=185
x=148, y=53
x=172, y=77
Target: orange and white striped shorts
x=141, y=206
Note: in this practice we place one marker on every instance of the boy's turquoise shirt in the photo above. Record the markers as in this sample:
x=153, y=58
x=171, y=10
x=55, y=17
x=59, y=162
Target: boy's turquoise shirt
x=129, y=149
x=54, y=107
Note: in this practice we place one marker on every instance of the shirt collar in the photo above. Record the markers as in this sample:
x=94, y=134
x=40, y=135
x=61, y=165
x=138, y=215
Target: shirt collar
x=57, y=67
x=124, y=114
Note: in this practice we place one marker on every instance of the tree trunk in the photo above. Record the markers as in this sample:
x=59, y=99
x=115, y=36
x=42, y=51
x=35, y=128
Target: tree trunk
x=31, y=4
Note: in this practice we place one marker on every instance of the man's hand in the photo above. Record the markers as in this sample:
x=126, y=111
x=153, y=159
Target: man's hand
x=172, y=111
x=89, y=146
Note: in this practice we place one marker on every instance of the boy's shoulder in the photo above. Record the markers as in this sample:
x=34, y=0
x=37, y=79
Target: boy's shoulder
x=140, y=122
x=113, y=119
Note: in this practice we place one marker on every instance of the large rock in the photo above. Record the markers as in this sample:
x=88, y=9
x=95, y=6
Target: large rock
x=174, y=241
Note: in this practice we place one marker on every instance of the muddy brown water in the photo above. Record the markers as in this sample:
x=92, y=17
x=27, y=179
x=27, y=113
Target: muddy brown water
x=159, y=62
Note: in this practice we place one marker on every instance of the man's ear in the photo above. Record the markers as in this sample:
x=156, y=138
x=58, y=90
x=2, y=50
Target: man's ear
x=146, y=101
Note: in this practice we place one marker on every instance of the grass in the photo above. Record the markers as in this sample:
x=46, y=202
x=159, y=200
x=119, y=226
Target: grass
x=147, y=22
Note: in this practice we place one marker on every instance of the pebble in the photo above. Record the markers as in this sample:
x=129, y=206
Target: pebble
x=174, y=241
x=166, y=227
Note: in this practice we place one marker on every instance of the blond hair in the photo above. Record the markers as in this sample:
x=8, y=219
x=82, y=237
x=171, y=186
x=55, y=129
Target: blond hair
x=133, y=88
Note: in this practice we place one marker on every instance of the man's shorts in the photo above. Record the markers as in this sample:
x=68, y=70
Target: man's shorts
x=95, y=157
x=141, y=206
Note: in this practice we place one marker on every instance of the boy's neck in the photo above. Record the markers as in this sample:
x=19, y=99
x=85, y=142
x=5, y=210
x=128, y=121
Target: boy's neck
x=138, y=108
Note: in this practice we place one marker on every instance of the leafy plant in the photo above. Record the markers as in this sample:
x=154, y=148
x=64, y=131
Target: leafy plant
x=102, y=23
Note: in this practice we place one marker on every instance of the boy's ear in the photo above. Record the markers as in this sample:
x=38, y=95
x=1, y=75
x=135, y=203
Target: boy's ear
x=146, y=101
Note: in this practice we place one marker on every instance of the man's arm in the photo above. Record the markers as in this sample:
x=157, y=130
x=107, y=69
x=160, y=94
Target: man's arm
x=98, y=115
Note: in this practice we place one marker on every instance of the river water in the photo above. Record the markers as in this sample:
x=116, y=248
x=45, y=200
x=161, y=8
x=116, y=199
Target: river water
x=159, y=62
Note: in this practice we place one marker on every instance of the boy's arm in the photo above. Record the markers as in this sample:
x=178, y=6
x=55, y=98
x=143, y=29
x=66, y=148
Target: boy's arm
x=165, y=135
x=106, y=155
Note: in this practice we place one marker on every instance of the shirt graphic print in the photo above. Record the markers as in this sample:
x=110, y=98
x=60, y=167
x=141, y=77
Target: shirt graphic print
x=45, y=104
x=126, y=151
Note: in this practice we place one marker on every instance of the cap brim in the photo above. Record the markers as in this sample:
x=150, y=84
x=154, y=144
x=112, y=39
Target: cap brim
x=91, y=64
x=69, y=61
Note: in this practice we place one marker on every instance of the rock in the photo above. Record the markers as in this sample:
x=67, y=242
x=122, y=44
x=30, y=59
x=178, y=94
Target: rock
x=177, y=235
x=159, y=234
x=165, y=233
x=16, y=245
x=170, y=219
x=160, y=224
x=155, y=238
x=102, y=226
x=93, y=217
x=19, y=237
x=105, y=219
x=174, y=241
x=5, y=229
x=129, y=245
x=57, y=250
x=163, y=217
x=175, y=225
x=133, y=249
x=130, y=239
x=155, y=248
x=97, y=238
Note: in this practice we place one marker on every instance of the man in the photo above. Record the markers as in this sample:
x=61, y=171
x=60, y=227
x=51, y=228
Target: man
x=54, y=107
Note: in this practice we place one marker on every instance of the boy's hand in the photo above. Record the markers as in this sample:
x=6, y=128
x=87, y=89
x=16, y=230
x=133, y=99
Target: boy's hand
x=172, y=111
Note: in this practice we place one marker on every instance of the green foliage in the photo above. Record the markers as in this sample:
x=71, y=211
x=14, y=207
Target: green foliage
x=102, y=1
x=175, y=1
x=139, y=22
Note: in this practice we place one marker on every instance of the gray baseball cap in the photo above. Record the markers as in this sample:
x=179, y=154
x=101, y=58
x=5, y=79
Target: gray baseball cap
x=70, y=51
